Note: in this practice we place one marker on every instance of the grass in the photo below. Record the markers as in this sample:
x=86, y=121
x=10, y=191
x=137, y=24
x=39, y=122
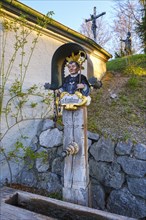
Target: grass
x=125, y=116
x=135, y=64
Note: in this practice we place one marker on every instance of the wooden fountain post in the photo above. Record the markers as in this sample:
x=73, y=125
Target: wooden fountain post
x=76, y=169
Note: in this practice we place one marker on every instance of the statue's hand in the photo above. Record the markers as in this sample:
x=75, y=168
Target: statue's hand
x=58, y=92
x=47, y=86
x=80, y=86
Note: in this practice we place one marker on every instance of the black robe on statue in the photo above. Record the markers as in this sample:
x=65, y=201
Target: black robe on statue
x=70, y=84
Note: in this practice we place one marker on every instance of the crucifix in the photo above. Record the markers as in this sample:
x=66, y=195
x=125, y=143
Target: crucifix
x=93, y=19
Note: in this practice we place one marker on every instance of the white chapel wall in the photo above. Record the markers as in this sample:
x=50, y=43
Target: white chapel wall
x=22, y=124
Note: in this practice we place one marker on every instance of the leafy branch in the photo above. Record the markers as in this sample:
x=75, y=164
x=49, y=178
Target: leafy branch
x=17, y=97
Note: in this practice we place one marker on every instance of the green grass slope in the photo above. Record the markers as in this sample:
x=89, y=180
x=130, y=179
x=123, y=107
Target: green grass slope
x=135, y=64
x=118, y=109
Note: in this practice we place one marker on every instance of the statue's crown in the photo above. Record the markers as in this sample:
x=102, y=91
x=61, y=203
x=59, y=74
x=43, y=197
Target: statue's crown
x=79, y=58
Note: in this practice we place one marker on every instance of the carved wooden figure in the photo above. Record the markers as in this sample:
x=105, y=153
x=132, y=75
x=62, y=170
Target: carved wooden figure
x=75, y=148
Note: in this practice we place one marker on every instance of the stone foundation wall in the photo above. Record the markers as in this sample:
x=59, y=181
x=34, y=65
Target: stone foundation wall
x=117, y=170
x=118, y=176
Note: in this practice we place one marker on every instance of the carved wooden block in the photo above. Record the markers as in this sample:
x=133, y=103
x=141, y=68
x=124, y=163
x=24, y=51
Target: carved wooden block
x=76, y=170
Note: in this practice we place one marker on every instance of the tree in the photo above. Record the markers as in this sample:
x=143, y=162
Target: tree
x=141, y=25
x=125, y=17
x=102, y=32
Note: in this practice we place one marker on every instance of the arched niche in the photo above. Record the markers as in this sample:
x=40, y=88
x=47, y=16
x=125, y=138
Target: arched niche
x=59, y=61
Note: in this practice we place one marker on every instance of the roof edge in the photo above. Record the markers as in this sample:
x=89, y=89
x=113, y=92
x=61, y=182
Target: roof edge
x=19, y=8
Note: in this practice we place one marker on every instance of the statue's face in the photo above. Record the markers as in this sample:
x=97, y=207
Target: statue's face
x=73, y=68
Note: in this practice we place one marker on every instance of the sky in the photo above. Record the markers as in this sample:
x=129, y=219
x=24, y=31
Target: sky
x=71, y=13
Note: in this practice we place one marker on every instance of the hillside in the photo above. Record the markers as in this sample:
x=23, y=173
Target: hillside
x=118, y=109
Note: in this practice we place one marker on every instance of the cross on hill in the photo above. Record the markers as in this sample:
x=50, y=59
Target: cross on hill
x=93, y=19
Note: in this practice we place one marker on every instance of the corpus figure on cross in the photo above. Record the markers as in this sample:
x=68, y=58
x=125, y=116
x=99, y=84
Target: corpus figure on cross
x=93, y=19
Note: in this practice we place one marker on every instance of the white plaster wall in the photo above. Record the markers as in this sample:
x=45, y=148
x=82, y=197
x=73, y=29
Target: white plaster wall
x=99, y=67
x=38, y=72
x=39, y=69
x=98, y=61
